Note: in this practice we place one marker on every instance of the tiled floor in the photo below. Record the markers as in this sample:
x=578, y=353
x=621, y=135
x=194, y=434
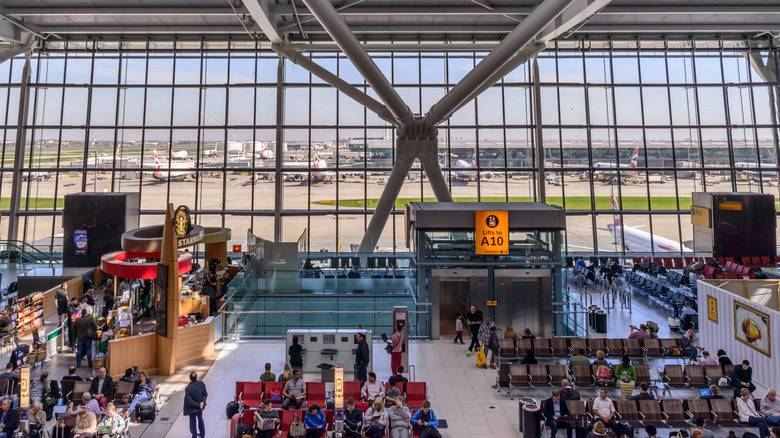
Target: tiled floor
x=460, y=393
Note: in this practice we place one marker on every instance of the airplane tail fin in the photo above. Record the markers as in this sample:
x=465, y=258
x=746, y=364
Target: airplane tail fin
x=156, y=163
x=615, y=207
x=635, y=158
x=474, y=158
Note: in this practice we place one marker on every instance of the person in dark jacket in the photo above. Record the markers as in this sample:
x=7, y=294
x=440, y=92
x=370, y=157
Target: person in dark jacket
x=743, y=377
x=556, y=412
x=82, y=329
x=362, y=358
x=353, y=420
x=195, y=395
x=474, y=320
x=74, y=312
x=101, y=387
x=296, y=353
x=61, y=297
x=9, y=420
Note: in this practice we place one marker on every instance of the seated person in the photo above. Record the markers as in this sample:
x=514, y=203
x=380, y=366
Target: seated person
x=372, y=389
x=91, y=404
x=101, y=387
x=530, y=358
x=604, y=374
x=111, y=421
x=399, y=416
x=9, y=419
x=294, y=392
x=375, y=420
x=268, y=376
x=72, y=375
x=643, y=394
x=568, y=392
x=557, y=415
x=715, y=393
x=701, y=424
x=604, y=410
x=353, y=420
x=706, y=359
x=579, y=359
x=9, y=372
x=393, y=392
x=599, y=430
x=626, y=374
x=39, y=386
x=266, y=421
x=37, y=418
x=14, y=388
x=641, y=333
x=770, y=408
x=426, y=420
x=314, y=421
x=128, y=377
x=687, y=311
x=743, y=377
x=86, y=424
x=142, y=392
x=746, y=410
x=6, y=325
x=398, y=377
x=689, y=345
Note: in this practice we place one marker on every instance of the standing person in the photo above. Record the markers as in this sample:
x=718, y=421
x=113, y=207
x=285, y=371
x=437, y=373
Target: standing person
x=458, y=328
x=84, y=329
x=108, y=300
x=492, y=346
x=426, y=420
x=296, y=353
x=397, y=344
x=484, y=332
x=474, y=320
x=61, y=296
x=361, y=358
x=195, y=395
x=74, y=313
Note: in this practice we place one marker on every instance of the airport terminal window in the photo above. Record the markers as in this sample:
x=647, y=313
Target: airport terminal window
x=687, y=120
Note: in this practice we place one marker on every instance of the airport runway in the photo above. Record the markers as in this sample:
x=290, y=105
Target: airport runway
x=327, y=231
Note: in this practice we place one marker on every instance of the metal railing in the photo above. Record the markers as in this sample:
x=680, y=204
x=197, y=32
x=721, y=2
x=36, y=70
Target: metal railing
x=23, y=252
x=231, y=321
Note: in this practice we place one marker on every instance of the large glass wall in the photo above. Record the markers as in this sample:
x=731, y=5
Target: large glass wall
x=197, y=124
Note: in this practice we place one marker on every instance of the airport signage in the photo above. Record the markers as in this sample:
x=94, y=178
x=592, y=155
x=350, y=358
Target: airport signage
x=491, y=232
x=701, y=216
x=730, y=205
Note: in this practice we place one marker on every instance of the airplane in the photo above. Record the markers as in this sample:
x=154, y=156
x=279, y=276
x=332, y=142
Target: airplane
x=181, y=155
x=467, y=170
x=107, y=160
x=752, y=171
x=163, y=173
x=319, y=164
x=612, y=176
x=637, y=240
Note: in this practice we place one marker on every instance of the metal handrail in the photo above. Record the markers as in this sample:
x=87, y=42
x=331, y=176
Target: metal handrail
x=26, y=248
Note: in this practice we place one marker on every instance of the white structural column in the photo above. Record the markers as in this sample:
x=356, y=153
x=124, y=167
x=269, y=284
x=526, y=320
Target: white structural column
x=264, y=14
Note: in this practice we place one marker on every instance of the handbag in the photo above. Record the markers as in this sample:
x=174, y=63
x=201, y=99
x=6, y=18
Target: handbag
x=48, y=400
x=296, y=428
x=603, y=372
x=389, y=348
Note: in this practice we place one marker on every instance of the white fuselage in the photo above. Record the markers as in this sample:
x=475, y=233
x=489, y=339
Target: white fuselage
x=637, y=240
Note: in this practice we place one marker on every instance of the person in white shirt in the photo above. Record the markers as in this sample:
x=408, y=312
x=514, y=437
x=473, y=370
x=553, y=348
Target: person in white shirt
x=747, y=413
x=770, y=408
x=372, y=389
x=604, y=410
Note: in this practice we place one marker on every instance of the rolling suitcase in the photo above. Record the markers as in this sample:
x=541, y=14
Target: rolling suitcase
x=146, y=411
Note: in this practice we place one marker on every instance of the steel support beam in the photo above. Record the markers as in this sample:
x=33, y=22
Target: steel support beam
x=278, y=199
x=264, y=14
x=542, y=16
x=335, y=81
x=16, y=183
x=768, y=73
x=329, y=18
x=538, y=137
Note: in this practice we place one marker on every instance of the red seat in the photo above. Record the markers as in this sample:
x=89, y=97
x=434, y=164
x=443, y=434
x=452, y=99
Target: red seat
x=729, y=266
x=240, y=389
x=352, y=389
x=728, y=259
x=415, y=394
x=756, y=261
x=668, y=262
x=315, y=393
x=721, y=261
x=253, y=394
x=766, y=261
x=269, y=388
x=400, y=385
x=743, y=270
x=287, y=419
x=249, y=416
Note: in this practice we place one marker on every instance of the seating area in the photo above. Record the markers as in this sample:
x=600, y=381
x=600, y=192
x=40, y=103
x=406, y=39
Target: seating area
x=250, y=396
x=666, y=413
x=564, y=348
x=663, y=291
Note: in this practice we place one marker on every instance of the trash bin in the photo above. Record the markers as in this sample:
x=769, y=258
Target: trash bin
x=601, y=321
x=531, y=418
x=328, y=372
x=524, y=401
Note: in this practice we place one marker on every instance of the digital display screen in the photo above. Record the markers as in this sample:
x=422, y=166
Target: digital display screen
x=80, y=243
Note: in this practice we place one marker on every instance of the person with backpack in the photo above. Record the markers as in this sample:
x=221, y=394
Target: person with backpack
x=492, y=346
x=85, y=331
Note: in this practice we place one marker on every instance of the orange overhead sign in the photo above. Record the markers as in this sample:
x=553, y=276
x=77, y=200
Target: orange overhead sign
x=491, y=232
